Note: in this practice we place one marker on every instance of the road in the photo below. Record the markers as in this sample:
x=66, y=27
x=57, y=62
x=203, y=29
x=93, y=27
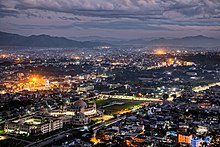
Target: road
x=2, y=137
x=44, y=142
x=205, y=87
x=107, y=123
x=50, y=139
x=62, y=134
x=130, y=98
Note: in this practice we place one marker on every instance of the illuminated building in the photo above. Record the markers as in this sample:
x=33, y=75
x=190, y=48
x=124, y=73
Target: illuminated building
x=82, y=112
x=88, y=109
x=207, y=140
x=80, y=119
x=172, y=133
x=32, y=125
x=32, y=83
x=4, y=56
x=79, y=113
x=202, y=129
x=85, y=89
x=184, y=138
x=18, y=60
x=118, y=63
x=195, y=142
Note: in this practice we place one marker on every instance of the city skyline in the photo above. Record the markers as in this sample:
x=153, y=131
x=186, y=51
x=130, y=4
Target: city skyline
x=127, y=19
x=111, y=73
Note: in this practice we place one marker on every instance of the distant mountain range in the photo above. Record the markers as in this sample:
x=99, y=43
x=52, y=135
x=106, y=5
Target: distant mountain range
x=8, y=39
x=96, y=38
x=190, y=41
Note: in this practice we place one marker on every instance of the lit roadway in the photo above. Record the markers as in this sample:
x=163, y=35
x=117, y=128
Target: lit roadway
x=178, y=94
x=202, y=88
x=50, y=139
x=62, y=134
x=107, y=123
x=124, y=97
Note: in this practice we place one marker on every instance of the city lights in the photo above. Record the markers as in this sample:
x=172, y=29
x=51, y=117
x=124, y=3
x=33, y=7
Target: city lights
x=31, y=83
x=95, y=141
x=3, y=56
x=160, y=52
x=109, y=73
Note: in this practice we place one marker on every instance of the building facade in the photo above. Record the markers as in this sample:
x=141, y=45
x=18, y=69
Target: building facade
x=83, y=112
x=32, y=125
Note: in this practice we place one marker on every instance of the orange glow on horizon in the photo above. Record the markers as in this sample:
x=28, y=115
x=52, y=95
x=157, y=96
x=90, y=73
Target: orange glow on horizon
x=160, y=52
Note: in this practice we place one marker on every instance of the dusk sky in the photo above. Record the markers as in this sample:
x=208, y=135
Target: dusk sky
x=111, y=18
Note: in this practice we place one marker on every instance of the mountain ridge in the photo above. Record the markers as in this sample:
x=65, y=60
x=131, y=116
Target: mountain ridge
x=189, y=41
x=43, y=40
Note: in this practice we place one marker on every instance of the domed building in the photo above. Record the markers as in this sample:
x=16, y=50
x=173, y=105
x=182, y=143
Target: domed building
x=80, y=119
x=83, y=112
x=79, y=104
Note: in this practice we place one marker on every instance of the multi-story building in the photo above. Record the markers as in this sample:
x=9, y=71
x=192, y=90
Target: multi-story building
x=33, y=125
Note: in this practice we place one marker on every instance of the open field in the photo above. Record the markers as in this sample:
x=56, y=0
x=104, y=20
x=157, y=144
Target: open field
x=114, y=109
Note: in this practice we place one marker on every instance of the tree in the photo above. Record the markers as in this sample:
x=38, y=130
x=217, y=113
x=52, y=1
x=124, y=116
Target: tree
x=174, y=96
x=165, y=96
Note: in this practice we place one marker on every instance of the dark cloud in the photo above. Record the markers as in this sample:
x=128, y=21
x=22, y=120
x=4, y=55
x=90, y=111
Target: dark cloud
x=70, y=18
x=118, y=15
x=132, y=9
x=30, y=14
x=202, y=8
x=120, y=25
x=5, y=11
x=41, y=27
x=107, y=8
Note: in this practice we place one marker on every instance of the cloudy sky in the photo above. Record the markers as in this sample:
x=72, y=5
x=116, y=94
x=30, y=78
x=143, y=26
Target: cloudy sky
x=111, y=18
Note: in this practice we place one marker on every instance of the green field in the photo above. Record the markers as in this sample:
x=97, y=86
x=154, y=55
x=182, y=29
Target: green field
x=2, y=132
x=105, y=102
x=127, y=105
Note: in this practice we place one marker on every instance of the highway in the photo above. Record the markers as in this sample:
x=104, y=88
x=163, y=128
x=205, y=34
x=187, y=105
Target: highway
x=205, y=87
